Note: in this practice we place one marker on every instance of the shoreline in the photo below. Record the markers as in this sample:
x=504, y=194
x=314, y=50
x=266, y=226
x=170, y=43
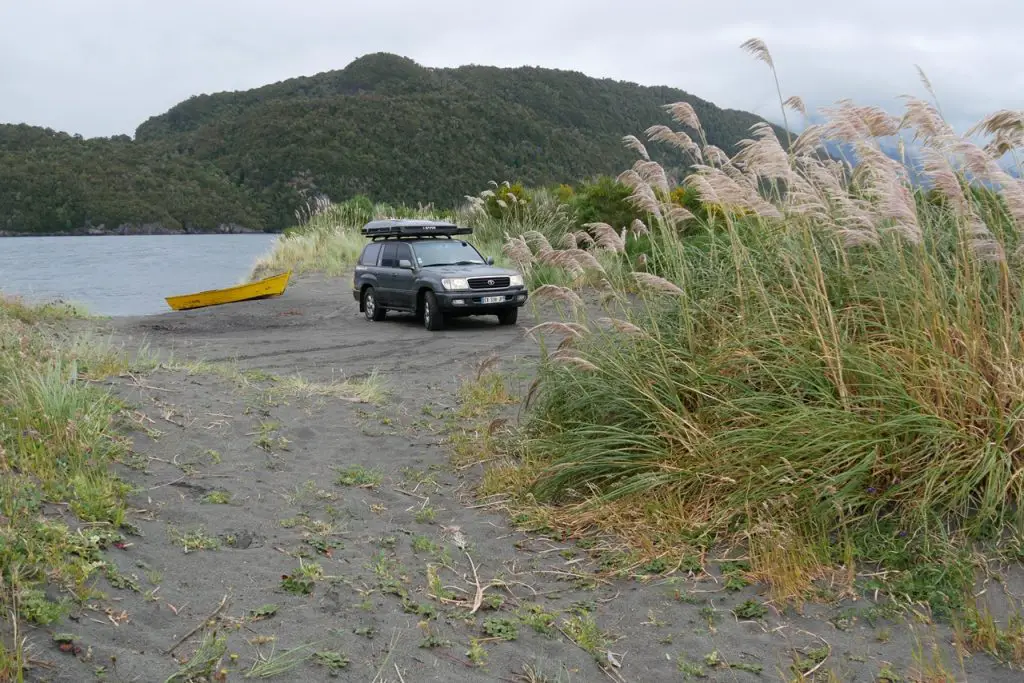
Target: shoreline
x=141, y=234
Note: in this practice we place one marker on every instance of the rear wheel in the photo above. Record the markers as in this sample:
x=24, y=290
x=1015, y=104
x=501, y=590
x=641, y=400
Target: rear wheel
x=508, y=317
x=373, y=310
x=433, y=320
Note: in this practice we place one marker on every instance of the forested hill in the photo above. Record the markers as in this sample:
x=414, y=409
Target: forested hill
x=52, y=183
x=384, y=126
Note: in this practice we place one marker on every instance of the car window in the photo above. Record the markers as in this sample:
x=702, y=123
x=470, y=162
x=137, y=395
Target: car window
x=403, y=252
x=388, y=259
x=370, y=253
x=446, y=253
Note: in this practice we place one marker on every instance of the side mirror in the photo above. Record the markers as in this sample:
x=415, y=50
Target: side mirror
x=490, y=260
x=405, y=263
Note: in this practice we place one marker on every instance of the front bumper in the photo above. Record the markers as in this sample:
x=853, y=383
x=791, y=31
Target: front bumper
x=481, y=301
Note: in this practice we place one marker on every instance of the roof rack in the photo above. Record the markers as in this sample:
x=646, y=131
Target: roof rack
x=409, y=227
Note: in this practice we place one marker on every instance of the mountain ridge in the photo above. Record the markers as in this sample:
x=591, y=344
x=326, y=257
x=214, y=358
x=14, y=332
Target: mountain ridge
x=383, y=126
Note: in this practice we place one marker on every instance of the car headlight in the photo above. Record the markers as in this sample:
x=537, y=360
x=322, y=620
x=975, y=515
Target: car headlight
x=515, y=281
x=455, y=283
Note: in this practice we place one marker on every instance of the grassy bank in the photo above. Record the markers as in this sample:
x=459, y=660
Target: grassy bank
x=60, y=503
x=826, y=371
x=519, y=229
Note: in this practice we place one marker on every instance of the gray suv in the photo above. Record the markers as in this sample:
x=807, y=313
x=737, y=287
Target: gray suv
x=419, y=267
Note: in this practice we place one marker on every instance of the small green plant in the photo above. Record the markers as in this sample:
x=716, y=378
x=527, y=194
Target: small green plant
x=476, y=653
x=537, y=618
x=751, y=609
x=217, y=497
x=425, y=515
x=196, y=539
x=263, y=612
x=357, y=475
x=497, y=627
x=334, y=661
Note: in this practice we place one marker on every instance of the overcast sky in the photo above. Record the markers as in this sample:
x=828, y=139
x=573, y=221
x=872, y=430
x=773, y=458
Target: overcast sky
x=101, y=67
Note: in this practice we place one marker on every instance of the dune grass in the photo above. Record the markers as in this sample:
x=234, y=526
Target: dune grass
x=57, y=440
x=327, y=238
x=828, y=371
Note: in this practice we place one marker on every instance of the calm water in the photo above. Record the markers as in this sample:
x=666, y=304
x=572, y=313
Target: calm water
x=125, y=275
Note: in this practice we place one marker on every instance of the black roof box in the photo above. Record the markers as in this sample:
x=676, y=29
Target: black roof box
x=412, y=227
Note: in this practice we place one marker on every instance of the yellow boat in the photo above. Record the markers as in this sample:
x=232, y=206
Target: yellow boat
x=262, y=289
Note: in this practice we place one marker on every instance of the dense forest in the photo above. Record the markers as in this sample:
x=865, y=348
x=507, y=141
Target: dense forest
x=384, y=127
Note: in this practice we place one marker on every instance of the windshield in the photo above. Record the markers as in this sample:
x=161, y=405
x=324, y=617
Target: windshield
x=446, y=253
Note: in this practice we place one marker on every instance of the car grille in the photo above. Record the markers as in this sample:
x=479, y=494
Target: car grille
x=488, y=282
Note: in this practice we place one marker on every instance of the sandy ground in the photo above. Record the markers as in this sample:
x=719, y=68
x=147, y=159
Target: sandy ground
x=277, y=459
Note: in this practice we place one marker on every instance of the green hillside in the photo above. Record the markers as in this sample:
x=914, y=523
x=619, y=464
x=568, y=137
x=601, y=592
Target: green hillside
x=53, y=182
x=384, y=126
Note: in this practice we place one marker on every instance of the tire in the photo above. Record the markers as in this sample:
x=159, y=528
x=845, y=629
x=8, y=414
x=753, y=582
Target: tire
x=508, y=317
x=373, y=312
x=433, y=319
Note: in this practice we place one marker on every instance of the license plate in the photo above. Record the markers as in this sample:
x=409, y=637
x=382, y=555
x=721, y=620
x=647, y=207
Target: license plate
x=492, y=299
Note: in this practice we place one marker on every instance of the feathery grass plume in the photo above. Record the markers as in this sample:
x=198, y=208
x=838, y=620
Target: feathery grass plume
x=638, y=228
x=927, y=83
x=684, y=114
x=622, y=326
x=698, y=182
x=607, y=237
x=574, y=329
x=939, y=171
x=982, y=243
x=809, y=142
x=585, y=259
x=583, y=238
x=643, y=198
x=557, y=293
x=796, y=103
x=544, y=246
x=518, y=250
x=715, y=156
x=564, y=260
x=630, y=178
x=576, y=362
x=653, y=174
x=675, y=215
x=1001, y=121
x=759, y=50
x=926, y=120
x=737, y=196
x=633, y=143
x=569, y=241
x=764, y=156
x=678, y=140
x=656, y=283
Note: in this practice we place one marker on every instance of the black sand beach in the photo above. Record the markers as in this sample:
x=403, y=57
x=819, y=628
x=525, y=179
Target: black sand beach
x=350, y=520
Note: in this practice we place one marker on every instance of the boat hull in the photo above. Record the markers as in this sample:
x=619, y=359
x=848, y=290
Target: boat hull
x=268, y=287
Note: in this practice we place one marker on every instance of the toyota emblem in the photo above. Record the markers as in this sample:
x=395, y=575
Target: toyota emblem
x=490, y=282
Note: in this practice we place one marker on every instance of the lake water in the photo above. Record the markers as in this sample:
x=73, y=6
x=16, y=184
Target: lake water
x=125, y=275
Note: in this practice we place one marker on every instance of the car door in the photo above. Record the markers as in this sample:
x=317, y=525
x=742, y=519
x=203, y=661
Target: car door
x=386, y=275
x=404, y=281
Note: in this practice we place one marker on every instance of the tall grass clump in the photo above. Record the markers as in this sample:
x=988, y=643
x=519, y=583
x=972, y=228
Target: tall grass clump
x=327, y=239
x=57, y=442
x=828, y=367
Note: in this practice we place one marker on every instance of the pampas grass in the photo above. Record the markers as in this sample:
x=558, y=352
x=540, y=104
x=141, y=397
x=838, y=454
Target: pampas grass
x=840, y=360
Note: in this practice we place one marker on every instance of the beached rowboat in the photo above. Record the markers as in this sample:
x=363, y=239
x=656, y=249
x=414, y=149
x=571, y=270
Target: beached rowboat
x=268, y=287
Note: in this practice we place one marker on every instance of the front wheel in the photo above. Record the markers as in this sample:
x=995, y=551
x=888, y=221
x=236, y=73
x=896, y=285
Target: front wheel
x=508, y=317
x=433, y=320
x=374, y=312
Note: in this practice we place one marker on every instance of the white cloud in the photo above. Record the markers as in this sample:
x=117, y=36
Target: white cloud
x=103, y=67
